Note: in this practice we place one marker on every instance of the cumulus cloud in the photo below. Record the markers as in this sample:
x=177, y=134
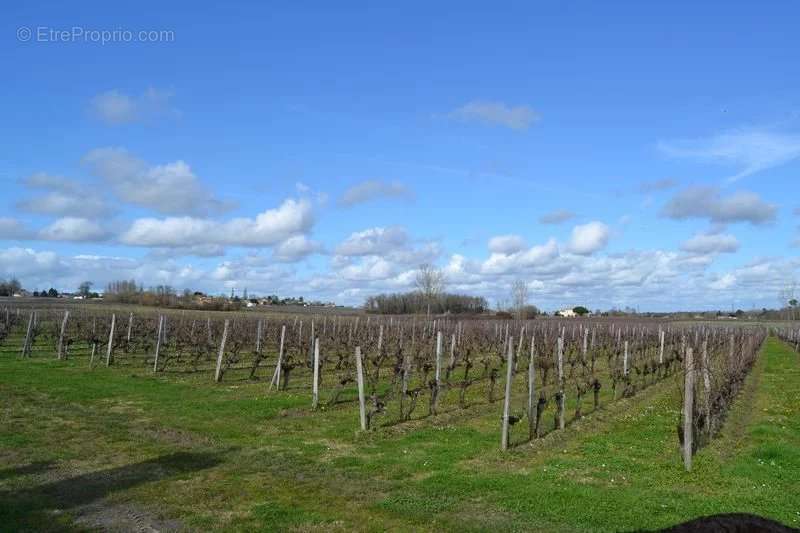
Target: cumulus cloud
x=115, y=107
x=170, y=189
x=292, y=217
x=750, y=150
x=556, y=217
x=588, y=238
x=374, y=241
x=74, y=229
x=711, y=244
x=506, y=244
x=23, y=262
x=369, y=190
x=496, y=113
x=533, y=257
x=295, y=248
x=708, y=203
x=62, y=197
x=726, y=281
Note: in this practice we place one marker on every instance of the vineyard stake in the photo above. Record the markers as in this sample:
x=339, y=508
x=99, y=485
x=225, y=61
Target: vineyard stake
x=25, y=345
x=276, y=377
x=706, y=386
x=438, y=356
x=110, y=339
x=531, y=388
x=158, y=342
x=625, y=360
x=218, y=373
x=61, y=355
x=562, y=399
x=688, y=401
x=130, y=325
x=360, y=378
x=315, y=387
x=507, y=400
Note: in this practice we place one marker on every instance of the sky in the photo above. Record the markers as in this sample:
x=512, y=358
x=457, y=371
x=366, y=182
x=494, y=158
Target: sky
x=608, y=154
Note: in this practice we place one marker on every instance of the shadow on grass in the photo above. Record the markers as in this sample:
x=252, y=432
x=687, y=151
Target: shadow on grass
x=33, y=468
x=27, y=508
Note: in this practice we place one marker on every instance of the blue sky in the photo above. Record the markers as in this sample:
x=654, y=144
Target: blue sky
x=608, y=155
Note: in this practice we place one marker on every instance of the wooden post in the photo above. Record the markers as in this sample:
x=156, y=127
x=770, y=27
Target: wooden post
x=362, y=410
x=562, y=401
x=661, y=349
x=531, y=389
x=380, y=339
x=276, y=377
x=110, y=347
x=706, y=386
x=61, y=354
x=585, y=344
x=452, y=351
x=218, y=373
x=130, y=325
x=507, y=400
x=688, y=402
x=258, y=338
x=625, y=360
x=26, y=345
x=438, y=356
x=315, y=386
x=94, y=343
x=158, y=342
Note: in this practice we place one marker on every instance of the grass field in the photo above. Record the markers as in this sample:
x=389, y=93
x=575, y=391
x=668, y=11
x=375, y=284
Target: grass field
x=106, y=448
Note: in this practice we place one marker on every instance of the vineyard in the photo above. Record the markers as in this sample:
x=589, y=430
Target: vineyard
x=174, y=420
x=539, y=376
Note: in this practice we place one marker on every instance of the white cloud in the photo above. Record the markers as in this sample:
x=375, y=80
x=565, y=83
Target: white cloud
x=63, y=197
x=295, y=248
x=74, y=229
x=369, y=190
x=556, y=217
x=723, y=282
x=24, y=262
x=115, y=107
x=292, y=217
x=373, y=241
x=750, y=150
x=711, y=244
x=497, y=113
x=506, y=244
x=536, y=256
x=707, y=202
x=171, y=189
x=589, y=238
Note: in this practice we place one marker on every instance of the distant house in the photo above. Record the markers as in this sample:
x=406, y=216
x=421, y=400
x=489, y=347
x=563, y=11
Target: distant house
x=567, y=313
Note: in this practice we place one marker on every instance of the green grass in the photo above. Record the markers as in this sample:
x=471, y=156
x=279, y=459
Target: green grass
x=232, y=457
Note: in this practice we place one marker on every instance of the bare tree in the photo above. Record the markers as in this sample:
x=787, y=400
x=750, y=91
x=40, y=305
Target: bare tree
x=788, y=300
x=430, y=282
x=519, y=297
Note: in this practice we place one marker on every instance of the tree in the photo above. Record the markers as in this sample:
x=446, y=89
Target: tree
x=11, y=287
x=580, y=310
x=52, y=293
x=786, y=296
x=85, y=289
x=429, y=282
x=519, y=297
